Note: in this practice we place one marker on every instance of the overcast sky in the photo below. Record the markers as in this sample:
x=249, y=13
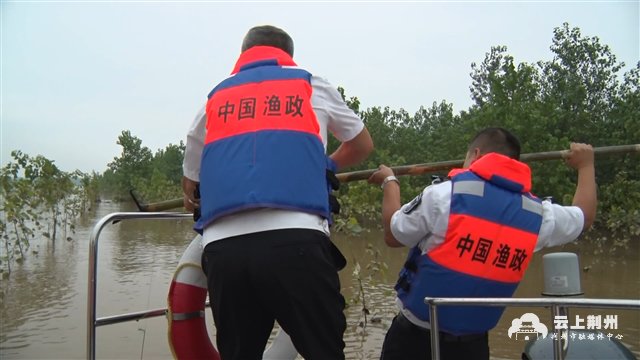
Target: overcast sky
x=75, y=74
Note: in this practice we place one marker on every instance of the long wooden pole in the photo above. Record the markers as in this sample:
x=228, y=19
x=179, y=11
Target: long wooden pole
x=420, y=169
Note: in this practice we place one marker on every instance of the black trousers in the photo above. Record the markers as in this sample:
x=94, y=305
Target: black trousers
x=287, y=275
x=406, y=341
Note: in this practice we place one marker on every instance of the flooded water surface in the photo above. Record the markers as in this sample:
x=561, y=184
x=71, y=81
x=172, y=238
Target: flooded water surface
x=43, y=304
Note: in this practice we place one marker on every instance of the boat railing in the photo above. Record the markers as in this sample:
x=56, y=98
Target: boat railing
x=558, y=306
x=92, y=321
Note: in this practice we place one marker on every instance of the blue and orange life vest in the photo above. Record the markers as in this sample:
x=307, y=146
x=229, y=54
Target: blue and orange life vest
x=263, y=147
x=493, y=227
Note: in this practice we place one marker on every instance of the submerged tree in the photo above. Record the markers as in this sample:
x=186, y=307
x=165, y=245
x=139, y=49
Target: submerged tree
x=19, y=204
x=35, y=194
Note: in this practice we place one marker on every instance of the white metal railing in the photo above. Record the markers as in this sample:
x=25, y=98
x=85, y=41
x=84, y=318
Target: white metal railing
x=557, y=305
x=92, y=321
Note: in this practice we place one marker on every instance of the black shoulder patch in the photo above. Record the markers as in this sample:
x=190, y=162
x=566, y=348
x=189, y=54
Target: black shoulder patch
x=413, y=204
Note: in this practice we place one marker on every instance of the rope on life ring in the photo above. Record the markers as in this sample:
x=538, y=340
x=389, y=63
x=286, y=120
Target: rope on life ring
x=188, y=337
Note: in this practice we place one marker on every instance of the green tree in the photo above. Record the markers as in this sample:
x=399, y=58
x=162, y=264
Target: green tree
x=155, y=177
x=19, y=222
x=168, y=161
x=108, y=185
x=34, y=191
x=619, y=178
x=90, y=189
x=157, y=188
x=441, y=134
x=576, y=96
x=580, y=84
x=133, y=163
x=52, y=186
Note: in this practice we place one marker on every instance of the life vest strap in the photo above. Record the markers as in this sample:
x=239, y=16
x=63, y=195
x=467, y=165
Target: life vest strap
x=187, y=316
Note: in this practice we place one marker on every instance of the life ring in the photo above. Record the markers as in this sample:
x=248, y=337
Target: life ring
x=188, y=337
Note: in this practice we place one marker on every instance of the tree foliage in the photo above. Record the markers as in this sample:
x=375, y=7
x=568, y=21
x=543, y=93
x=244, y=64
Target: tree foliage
x=154, y=177
x=38, y=199
x=133, y=163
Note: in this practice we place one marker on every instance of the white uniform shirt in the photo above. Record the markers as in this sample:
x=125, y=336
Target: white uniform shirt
x=423, y=222
x=333, y=116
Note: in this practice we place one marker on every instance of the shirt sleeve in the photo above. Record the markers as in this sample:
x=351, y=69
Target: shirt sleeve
x=194, y=146
x=424, y=218
x=343, y=122
x=560, y=225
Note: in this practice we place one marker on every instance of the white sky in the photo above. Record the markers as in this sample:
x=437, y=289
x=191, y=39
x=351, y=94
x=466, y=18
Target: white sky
x=75, y=74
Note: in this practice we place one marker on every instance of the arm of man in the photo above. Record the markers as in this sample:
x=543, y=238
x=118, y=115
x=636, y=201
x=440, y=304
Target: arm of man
x=390, y=202
x=563, y=224
x=342, y=122
x=354, y=151
x=581, y=158
x=189, y=187
x=191, y=162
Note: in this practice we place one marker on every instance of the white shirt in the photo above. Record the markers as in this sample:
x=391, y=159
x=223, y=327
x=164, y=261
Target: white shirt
x=333, y=116
x=426, y=225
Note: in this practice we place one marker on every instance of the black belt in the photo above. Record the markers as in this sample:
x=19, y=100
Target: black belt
x=443, y=336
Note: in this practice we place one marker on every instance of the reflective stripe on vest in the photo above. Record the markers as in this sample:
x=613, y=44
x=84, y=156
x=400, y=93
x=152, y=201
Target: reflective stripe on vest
x=262, y=146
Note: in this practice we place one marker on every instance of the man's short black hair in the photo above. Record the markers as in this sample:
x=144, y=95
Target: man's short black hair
x=498, y=140
x=267, y=35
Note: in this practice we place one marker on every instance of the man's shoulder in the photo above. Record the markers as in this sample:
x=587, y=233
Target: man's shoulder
x=438, y=189
x=323, y=89
x=558, y=211
x=319, y=81
x=433, y=196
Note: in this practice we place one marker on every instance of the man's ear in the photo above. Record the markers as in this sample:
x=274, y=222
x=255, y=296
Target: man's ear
x=474, y=155
x=477, y=154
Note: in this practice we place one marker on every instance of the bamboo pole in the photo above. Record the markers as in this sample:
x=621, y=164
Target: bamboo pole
x=420, y=169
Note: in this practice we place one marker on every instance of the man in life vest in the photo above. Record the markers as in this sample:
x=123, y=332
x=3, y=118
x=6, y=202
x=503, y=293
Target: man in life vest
x=257, y=151
x=473, y=236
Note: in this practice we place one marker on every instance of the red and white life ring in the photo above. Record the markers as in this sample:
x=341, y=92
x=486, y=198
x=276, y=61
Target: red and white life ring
x=188, y=337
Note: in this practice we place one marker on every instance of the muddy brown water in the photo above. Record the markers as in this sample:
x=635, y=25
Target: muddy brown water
x=43, y=304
